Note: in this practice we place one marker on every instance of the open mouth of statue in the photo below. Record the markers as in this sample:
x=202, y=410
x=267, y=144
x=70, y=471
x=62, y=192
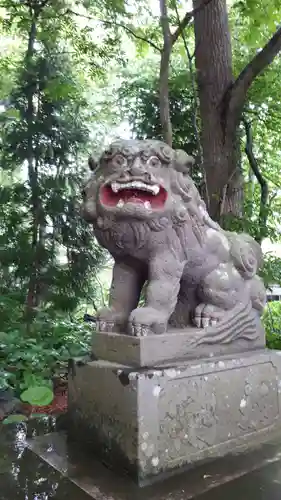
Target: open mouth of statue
x=117, y=194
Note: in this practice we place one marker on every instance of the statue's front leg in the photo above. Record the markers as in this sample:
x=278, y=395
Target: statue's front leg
x=165, y=273
x=127, y=282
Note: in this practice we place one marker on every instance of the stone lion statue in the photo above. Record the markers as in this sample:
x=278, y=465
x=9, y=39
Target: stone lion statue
x=147, y=212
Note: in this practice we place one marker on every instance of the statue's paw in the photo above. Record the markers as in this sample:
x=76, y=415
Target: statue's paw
x=105, y=326
x=110, y=320
x=207, y=315
x=145, y=321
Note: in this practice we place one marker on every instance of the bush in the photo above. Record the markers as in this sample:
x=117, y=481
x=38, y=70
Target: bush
x=32, y=354
x=272, y=323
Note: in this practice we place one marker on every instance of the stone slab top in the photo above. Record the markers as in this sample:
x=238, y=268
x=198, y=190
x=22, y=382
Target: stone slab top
x=176, y=344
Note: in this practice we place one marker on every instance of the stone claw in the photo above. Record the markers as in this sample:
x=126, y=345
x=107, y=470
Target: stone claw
x=197, y=321
x=207, y=315
x=145, y=321
x=139, y=330
x=205, y=322
x=105, y=326
x=109, y=320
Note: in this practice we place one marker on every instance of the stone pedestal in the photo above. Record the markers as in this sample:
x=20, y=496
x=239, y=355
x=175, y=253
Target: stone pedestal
x=153, y=421
x=176, y=344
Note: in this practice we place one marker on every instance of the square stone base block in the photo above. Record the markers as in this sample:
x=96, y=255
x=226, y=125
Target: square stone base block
x=176, y=344
x=149, y=422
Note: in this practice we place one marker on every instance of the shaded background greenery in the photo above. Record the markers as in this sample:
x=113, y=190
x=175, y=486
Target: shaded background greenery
x=74, y=75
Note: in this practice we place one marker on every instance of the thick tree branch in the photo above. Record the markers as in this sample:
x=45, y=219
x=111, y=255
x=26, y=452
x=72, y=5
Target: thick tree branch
x=238, y=92
x=250, y=153
x=186, y=19
x=182, y=25
x=263, y=214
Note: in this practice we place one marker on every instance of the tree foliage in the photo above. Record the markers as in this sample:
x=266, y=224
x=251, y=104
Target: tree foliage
x=73, y=75
x=49, y=258
x=139, y=99
x=44, y=133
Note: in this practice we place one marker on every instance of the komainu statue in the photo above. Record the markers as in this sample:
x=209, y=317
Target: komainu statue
x=147, y=212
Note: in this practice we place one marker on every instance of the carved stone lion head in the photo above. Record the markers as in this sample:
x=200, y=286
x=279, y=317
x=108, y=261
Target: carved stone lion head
x=136, y=179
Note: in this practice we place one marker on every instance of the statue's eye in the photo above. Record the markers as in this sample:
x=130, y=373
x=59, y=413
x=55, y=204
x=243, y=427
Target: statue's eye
x=119, y=161
x=154, y=161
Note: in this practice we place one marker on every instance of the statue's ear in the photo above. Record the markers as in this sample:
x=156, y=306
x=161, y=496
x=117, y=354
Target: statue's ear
x=92, y=164
x=182, y=161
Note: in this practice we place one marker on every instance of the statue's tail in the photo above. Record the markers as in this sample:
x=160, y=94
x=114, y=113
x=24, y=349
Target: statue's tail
x=246, y=254
x=238, y=323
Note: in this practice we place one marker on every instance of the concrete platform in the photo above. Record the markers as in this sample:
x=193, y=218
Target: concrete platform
x=48, y=467
x=254, y=474
x=154, y=422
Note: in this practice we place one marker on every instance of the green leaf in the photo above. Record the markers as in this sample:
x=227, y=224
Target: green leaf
x=38, y=396
x=12, y=113
x=14, y=419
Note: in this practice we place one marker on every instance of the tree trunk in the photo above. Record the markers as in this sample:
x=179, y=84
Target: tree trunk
x=33, y=293
x=164, y=76
x=215, y=78
x=169, y=40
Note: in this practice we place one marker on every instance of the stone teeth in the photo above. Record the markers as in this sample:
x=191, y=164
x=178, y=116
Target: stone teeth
x=120, y=203
x=155, y=189
x=147, y=205
x=116, y=186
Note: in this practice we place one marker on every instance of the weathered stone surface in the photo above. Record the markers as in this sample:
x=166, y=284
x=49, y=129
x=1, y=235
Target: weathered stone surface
x=145, y=209
x=150, y=421
x=177, y=344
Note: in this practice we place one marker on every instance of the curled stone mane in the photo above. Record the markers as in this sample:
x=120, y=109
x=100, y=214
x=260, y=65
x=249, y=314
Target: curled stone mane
x=189, y=205
x=126, y=234
x=148, y=147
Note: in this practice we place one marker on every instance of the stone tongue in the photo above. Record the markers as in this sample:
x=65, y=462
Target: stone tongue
x=135, y=196
x=134, y=199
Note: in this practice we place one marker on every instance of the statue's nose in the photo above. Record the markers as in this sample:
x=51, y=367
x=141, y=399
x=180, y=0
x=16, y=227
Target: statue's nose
x=137, y=168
